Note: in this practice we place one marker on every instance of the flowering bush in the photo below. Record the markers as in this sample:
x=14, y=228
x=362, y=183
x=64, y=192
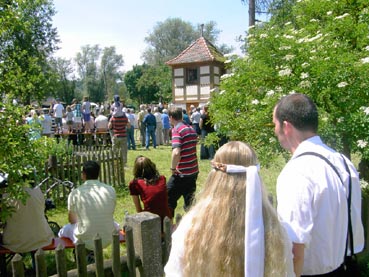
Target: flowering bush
x=324, y=53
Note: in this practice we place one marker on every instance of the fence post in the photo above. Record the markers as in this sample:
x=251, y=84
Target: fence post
x=40, y=263
x=81, y=258
x=167, y=239
x=116, y=254
x=147, y=240
x=61, y=265
x=131, y=255
x=99, y=258
x=17, y=266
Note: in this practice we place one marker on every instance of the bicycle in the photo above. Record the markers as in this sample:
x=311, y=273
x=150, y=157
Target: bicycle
x=58, y=190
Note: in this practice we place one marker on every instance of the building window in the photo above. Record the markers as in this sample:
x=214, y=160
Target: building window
x=192, y=76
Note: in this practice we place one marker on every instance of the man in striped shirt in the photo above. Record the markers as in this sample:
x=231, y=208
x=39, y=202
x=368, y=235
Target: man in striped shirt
x=119, y=127
x=184, y=165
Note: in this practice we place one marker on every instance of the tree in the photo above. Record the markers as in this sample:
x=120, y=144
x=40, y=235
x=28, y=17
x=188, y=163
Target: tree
x=110, y=67
x=324, y=53
x=100, y=72
x=157, y=80
x=171, y=37
x=88, y=70
x=27, y=40
x=257, y=7
x=131, y=79
x=65, y=83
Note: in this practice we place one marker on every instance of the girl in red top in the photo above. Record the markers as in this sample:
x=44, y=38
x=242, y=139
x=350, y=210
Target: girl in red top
x=151, y=187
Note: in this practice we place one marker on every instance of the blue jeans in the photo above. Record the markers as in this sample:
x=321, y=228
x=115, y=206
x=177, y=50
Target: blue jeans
x=131, y=138
x=150, y=132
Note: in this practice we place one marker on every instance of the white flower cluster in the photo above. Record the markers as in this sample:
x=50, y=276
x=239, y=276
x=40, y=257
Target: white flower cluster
x=342, y=84
x=365, y=60
x=305, y=65
x=305, y=84
x=288, y=36
x=304, y=75
x=285, y=72
x=364, y=185
x=263, y=36
x=285, y=48
x=227, y=75
x=255, y=102
x=342, y=16
x=288, y=57
x=279, y=89
x=362, y=143
x=270, y=93
x=365, y=110
x=367, y=48
x=329, y=13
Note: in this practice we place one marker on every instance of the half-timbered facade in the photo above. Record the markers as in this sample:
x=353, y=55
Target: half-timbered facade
x=196, y=73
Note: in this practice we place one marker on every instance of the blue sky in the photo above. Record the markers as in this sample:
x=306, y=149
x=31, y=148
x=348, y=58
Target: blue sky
x=125, y=23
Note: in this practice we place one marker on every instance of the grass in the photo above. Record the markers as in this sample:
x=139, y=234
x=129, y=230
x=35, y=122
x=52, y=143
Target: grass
x=162, y=158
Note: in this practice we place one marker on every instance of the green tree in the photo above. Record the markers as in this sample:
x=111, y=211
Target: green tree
x=156, y=80
x=110, y=67
x=324, y=53
x=65, y=84
x=131, y=79
x=87, y=67
x=27, y=40
x=169, y=38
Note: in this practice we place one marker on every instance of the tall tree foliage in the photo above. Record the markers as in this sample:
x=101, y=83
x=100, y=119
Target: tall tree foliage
x=99, y=71
x=110, y=68
x=324, y=53
x=27, y=39
x=65, y=82
x=169, y=38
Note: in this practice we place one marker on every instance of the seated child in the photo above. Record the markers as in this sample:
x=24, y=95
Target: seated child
x=149, y=186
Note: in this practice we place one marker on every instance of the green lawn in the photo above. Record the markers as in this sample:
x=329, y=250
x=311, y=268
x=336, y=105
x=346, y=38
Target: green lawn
x=162, y=158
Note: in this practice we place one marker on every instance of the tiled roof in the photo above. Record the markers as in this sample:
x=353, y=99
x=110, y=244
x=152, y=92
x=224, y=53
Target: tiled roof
x=199, y=51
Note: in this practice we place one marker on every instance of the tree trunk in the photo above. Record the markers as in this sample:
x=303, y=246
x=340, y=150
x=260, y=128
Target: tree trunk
x=364, y=169
x=251, y=13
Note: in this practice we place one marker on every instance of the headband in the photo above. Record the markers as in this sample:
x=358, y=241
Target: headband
x=254, y=225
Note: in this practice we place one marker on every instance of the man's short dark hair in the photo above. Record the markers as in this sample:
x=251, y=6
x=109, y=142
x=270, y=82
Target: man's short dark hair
x=299, y=110
x=91, y=169
x=176, y=113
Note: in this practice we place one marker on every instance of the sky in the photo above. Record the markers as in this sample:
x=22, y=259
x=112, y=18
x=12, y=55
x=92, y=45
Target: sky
x=125, y=23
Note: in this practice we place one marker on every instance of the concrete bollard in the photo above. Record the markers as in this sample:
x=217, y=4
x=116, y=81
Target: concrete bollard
x=147, y=241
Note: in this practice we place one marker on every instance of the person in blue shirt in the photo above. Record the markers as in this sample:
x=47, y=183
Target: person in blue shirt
x=150, y=123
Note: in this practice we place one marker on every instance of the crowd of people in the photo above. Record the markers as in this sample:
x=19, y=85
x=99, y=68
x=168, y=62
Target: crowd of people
x=230, y=228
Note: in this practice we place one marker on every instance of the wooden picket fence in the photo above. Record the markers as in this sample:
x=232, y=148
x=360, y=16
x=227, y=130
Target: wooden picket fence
x=69, y=167
x=145, y=258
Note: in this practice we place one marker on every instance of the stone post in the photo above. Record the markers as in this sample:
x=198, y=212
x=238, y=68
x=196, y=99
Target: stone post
x=147, y=241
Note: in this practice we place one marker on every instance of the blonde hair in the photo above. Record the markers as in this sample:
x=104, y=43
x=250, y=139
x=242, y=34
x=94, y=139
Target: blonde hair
x=214, y=245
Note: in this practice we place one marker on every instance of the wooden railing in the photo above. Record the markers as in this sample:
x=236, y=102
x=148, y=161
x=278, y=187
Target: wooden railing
x=69, y=166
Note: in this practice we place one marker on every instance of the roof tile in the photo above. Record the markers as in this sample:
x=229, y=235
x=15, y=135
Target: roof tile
x=199, y=51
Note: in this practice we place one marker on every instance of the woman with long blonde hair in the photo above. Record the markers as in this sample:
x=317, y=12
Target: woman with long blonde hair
x=232, y=230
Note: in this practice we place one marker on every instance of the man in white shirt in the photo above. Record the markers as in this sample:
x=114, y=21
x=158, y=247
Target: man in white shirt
x=58, y=114
x=101, y=125
x=312, y=199
x=90, y=209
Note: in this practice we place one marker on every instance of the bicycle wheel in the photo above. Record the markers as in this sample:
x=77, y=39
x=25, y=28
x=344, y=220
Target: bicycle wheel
x=54, y=227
